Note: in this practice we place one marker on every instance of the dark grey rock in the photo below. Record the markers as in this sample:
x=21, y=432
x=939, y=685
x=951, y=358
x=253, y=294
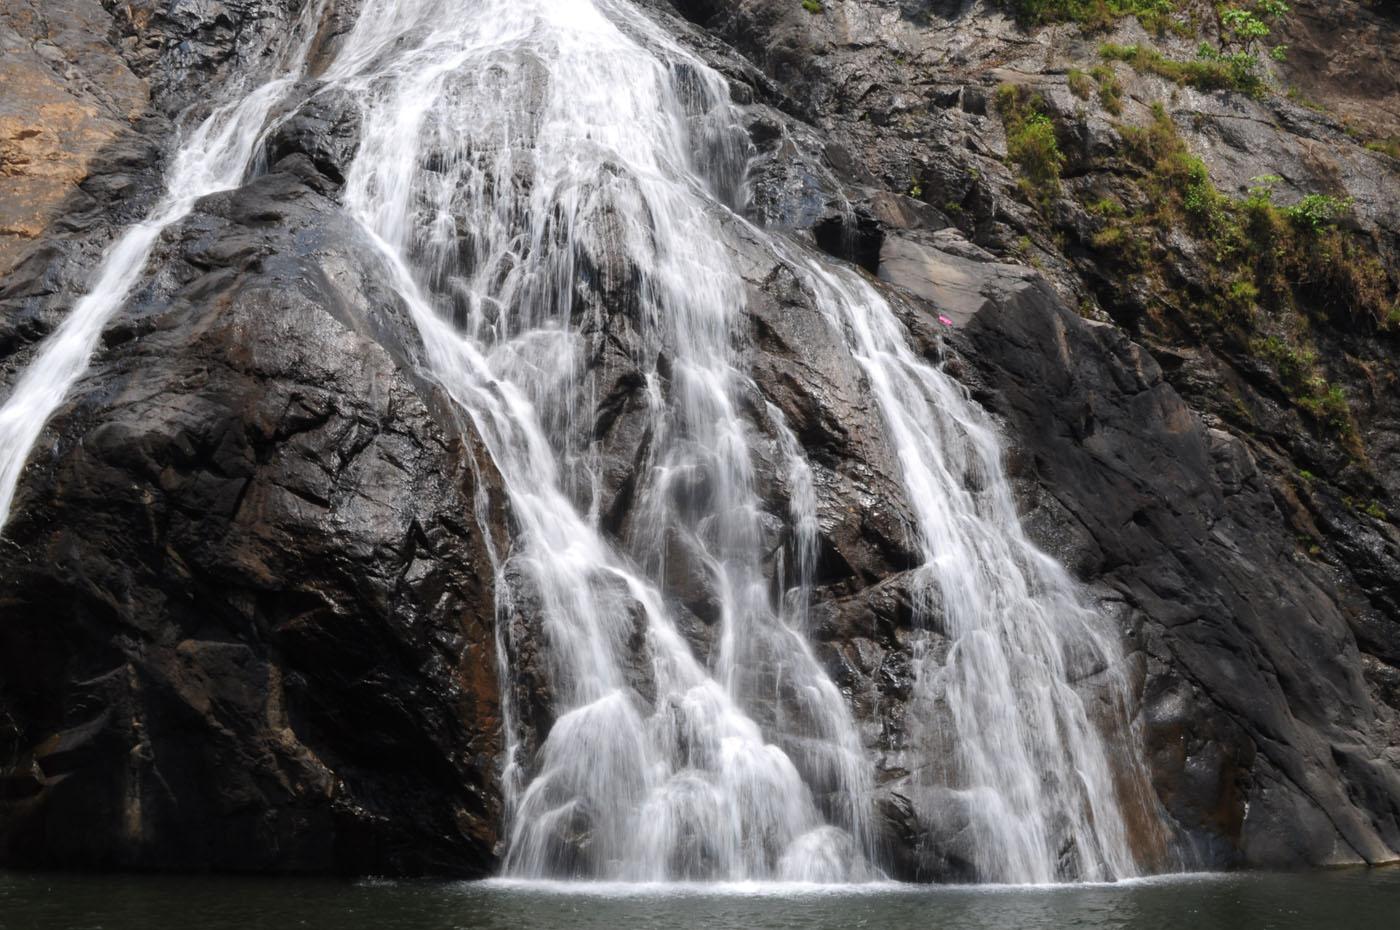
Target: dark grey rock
x=250, y=612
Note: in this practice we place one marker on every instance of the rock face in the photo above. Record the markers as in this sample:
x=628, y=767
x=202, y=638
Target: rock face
x=248, y=604
x=69, y=95
x=254, y=606
x=248, y=616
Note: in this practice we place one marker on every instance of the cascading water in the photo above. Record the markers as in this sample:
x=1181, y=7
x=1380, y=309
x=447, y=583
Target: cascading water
x=1004, y=745
x=513, y=151
x=550, y=133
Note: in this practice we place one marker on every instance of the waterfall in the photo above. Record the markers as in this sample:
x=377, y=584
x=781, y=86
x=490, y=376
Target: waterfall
x=514, y=155
x=1023, y=763
x=556, y=140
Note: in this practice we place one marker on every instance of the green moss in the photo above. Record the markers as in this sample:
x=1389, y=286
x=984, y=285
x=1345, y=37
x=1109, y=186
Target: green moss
x=813, y=6
x=1391, y=322
x=1307, y=388
x=1298, y=97
x=1371, y=508
x=1110, y=238
x=1106, y=206
x=1241, y=297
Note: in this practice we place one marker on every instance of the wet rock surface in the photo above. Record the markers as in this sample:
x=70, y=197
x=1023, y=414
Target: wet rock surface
x=248, y=612
x=69, y=97
x=249, y=608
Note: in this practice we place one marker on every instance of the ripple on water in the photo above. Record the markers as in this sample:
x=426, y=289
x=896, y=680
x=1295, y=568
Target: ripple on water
x=1347, y=898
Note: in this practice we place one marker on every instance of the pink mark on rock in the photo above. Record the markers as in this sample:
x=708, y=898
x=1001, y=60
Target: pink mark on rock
x=944, y=320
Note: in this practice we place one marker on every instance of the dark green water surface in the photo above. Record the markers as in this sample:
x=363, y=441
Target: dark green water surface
x=1340, y=899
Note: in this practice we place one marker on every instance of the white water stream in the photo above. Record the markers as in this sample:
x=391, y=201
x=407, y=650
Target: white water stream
x=512, y=149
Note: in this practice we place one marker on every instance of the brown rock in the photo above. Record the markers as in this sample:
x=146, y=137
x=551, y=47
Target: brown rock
x=68, y=93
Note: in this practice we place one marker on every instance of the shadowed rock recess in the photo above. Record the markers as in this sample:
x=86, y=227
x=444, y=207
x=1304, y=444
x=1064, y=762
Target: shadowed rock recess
x=258, y=605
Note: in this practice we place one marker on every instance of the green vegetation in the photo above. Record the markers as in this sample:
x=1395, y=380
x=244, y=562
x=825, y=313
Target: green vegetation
x=1274, y=268
x=1371, y=508
x=1316, y=211
x=813, y=6
x=1257, y=274
x=1213, y=71
x=1245, y=28
x=1300, y=376
x=1155, y=15
x=1233, y=64
x=1108, y=206
x=1080, y=84
x=1030, y=140
x=1110, y=89
x=1389, y=146
x=1298, y=97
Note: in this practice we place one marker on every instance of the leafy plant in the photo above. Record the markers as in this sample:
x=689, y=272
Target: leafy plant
x=1246, y=27
x=1316, y=211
